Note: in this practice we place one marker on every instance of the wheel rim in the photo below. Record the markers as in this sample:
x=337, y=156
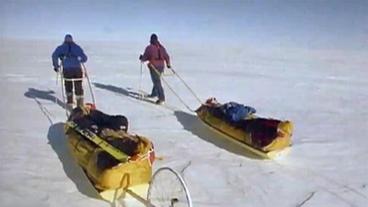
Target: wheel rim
x=168, y=189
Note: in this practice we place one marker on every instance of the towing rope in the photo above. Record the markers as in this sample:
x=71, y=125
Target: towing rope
x=191, y=90
x=173, y=91
x=89, y=84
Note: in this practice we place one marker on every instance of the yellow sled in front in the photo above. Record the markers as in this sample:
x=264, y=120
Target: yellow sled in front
x=113, y=172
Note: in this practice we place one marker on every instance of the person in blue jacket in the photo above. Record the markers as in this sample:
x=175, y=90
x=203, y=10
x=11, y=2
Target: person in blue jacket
x=71, y=56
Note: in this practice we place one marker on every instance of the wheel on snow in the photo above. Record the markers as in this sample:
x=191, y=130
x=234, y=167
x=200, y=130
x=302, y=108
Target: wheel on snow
x=168, y=189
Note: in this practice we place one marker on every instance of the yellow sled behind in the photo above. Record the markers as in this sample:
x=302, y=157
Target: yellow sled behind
x=267, y=138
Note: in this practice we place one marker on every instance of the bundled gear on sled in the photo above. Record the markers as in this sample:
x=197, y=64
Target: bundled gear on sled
x=263, y=136
x=111, y=157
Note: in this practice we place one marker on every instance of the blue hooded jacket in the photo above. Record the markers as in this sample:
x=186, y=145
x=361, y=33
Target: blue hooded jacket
x=70, y=54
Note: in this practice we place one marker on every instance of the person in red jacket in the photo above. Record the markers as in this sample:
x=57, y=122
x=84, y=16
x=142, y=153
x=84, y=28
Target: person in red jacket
x=156, y=56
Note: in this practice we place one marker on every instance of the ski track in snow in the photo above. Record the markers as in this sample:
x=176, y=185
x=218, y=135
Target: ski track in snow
x=335, y=189
x=307, y=199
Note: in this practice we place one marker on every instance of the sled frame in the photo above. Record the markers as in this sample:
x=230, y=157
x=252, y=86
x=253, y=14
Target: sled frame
x=168, y=200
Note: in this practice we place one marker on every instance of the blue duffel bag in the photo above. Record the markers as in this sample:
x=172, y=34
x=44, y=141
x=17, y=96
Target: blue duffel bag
x=235, y=112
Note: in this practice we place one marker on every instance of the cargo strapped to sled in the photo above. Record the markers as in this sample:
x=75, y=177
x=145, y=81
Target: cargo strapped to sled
x=113, y=151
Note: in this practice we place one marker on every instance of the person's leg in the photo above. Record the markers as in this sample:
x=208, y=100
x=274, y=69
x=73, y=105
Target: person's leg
x=68, y=86
x=78, y=87
x=156, y=79
x=154, y=92
x=160, y=89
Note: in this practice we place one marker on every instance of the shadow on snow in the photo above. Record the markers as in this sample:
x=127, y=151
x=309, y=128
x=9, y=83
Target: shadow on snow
x=58, y=142
x=129, y=92
x=44, y=94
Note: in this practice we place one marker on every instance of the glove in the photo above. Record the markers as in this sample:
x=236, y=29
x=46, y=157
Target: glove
x=140, y=57
x=168, y=66
x=56, y=69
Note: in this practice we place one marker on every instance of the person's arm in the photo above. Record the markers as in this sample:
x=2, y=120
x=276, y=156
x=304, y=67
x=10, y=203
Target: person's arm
x=146, y=55
x=82, y=57
x=55, y=57
x=166, y=58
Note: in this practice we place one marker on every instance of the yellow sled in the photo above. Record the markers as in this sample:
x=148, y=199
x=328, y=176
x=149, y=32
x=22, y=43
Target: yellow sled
x=132, y=173
x=277, y=146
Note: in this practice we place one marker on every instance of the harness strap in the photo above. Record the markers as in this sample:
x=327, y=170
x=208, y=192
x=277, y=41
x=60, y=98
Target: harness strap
x=73, y=79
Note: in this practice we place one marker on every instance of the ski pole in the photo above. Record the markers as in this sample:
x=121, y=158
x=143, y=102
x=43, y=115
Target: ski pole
x=57, y=80
x=63, y=93
x=140, y=81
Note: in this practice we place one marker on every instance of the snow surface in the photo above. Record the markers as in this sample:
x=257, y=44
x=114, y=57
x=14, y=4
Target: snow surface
x=324, y=92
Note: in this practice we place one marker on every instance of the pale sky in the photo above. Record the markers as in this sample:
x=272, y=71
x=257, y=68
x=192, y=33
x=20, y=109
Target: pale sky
x=301, y=23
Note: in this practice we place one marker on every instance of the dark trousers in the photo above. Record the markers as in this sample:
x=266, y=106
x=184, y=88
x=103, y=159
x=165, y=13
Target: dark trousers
x=157, y=89
x=72, y=73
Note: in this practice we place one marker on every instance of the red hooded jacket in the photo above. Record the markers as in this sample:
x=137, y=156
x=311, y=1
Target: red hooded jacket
x=156, y=55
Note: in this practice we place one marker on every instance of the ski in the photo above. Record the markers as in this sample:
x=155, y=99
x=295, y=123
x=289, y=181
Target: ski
x=144, y=96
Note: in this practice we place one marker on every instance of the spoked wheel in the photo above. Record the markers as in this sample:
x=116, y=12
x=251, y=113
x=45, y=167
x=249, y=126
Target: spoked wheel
x=168, y=189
